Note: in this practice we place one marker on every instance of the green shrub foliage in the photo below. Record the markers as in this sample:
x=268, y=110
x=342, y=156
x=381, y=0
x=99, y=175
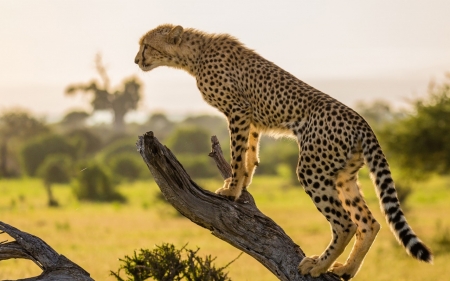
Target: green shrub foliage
x=199, y=166
x=421, y=140
x=87, y=142
x=191, y=144
x=190, y=139
x=160, y=125
x=282, y=153
x=127, y=166
x=36, y=150
x=55, y=169
x=119, y=147
x=166, y=263
x=94, y=184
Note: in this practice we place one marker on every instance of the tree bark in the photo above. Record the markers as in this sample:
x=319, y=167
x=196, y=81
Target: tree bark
x=239, y=223
x=55, y=267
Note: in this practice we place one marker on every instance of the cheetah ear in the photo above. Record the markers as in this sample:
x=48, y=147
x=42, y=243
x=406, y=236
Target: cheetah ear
x=174, y=36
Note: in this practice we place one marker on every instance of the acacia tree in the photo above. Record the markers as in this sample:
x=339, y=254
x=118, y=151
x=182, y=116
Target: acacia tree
x=120, y=101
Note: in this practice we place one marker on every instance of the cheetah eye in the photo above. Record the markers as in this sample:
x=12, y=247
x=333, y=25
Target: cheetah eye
x=152, y=48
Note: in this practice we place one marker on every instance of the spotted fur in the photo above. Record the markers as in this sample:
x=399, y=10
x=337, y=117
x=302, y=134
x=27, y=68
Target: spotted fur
x=256, y=96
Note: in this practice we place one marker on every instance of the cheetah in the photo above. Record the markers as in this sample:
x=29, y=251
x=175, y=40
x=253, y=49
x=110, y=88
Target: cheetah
x=257, y=96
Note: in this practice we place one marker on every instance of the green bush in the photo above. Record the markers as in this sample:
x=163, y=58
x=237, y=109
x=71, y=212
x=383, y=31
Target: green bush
x=123, y=160
x=36, y=150
x=278, y=157
x=93, y=183
x=190, y=139
x=85, y=140
x=404, y=191
x=126, y=166
x=217, y=125
x=160, y=125
x=191, y=145
x=420, y=141
x=198, y=166
x=127, y=146
x=441, y=239
x=55, y=169
x=166, y=263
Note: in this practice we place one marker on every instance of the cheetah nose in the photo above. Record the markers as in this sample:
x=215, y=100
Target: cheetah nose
x=136, y=61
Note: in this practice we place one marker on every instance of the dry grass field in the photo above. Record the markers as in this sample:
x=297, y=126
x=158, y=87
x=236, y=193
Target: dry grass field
x=96, y=235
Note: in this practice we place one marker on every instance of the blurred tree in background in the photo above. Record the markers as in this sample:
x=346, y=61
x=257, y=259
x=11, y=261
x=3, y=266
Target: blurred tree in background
x=85, y=140
x=378, y=113
x=421, y=140
x=418, y=140
x=278, y=157
x=93, y=183
x=55, y=169
x=160, y=125
x=218, y=124
x=189, y=139
x=120, y=102
x=192, y=144
x=15, y=127
x=36, y=150
x=127, y=167
x=75, y=119
x=123, y=161
x=124, y=146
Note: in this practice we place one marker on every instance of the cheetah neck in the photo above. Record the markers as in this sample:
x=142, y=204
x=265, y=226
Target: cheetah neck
x=191, y=49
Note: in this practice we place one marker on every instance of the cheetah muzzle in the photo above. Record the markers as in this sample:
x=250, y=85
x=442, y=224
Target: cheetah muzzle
x=256, y=96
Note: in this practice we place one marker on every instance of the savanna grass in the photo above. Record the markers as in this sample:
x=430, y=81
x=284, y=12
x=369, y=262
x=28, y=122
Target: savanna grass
x=96, y=235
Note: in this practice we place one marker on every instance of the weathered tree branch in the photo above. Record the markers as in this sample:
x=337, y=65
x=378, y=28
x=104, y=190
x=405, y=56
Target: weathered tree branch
x=55, y=267
x=239, y=223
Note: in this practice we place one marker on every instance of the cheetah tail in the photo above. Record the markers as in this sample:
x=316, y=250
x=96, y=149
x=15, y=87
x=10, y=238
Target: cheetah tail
x=387, y=194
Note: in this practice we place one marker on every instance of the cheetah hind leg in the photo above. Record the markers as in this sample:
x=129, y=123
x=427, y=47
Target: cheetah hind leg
x=307, y=264
x=364, y=239
x=344, y=271
x=367, y=226
x=342, y=226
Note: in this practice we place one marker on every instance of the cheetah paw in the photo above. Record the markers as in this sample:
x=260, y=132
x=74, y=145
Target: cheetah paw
x=311, y=265
x=226, y=191
x=344, y=271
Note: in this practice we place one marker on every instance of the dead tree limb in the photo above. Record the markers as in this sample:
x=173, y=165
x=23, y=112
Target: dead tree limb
x=55, y=267
x=239, y=223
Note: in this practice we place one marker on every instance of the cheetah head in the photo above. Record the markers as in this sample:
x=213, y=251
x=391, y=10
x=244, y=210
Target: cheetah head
x=158, y=47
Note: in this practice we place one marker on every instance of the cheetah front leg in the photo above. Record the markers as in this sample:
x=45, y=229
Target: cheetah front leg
x=239, y=127
x=252, y=159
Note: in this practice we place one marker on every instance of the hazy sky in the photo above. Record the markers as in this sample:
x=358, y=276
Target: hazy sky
x=352, y=50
